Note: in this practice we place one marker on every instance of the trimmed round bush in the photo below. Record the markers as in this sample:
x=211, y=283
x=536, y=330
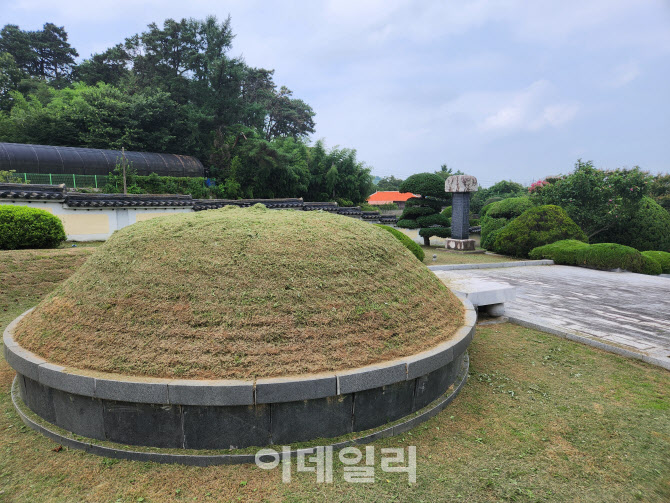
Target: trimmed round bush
x=405, y=240
x=490, y=201
x=648, y=230
x=663, y=258
x=490, y=229
x=447, y=211
x=607, y=256
x=535, y=227
x=511, y=207
x=561, y=252
x=484, y=209
x=25, y=227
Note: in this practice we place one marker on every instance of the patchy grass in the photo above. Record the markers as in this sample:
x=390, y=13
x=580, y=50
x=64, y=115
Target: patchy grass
x=26, y=276
x=242, y=293
x=541, y=419
x=447, y=258
x=81, y=244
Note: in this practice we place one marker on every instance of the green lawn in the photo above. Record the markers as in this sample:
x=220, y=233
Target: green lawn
x=449, y=257
x=541, y=419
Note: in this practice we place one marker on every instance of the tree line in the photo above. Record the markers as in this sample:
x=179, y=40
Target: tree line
x=173, y=89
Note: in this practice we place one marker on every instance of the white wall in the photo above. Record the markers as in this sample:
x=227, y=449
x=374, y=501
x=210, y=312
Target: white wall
x=95, y=224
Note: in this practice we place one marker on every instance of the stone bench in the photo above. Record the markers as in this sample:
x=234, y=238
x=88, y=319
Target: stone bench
x=482, y=293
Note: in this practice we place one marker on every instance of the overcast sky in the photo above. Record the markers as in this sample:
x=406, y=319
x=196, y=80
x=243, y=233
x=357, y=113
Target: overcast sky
x=504, y=89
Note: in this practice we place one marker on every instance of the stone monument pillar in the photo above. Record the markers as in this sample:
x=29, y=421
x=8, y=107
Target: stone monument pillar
x=460, y=186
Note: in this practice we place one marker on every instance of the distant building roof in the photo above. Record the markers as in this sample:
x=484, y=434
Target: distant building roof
x=389, y=196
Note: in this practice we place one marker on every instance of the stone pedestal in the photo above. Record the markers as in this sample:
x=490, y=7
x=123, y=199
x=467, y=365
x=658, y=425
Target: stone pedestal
x=460, y=216
x=459, y=244
x=461, y=186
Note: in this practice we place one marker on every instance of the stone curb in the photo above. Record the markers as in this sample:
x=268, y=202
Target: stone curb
x=235, y=459
x=279, y=389
x=520, y=263
x=238, y=392
x=228, y=392
x=537, y=324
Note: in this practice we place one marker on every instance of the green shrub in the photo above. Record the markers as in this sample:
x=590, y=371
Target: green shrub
x=25, y=227
x=491, y=200
x=497, y=214
x=406, y=240
x=561, y=252
x=490, y=229
x=649, y=229
x=447, y=212
x=474, y=222
x=424, y=212
x=436, y=204
x=484, y=210
x=535, y=227
x=347, y=203
x=413, y=212
x=509, y=208
x=408, y=224
x=651, y=266
x=606, y=256
x=440, y=232
x=434, y=219
x=663, y=258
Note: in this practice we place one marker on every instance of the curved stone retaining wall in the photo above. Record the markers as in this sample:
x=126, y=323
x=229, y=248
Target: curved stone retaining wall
x=224, y=414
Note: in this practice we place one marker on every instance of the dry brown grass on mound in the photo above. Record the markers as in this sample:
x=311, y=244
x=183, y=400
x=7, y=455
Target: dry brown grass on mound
x=241, y=293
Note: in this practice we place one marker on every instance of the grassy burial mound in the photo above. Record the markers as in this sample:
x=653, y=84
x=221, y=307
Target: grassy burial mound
x=242, y=293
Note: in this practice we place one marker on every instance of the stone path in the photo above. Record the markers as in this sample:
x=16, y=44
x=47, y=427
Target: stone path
x=621, y=309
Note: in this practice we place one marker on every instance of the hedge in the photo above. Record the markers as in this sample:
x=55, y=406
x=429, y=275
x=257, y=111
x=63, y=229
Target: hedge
x=406, y=240
x=607, y=256
x=536, y=227
x=663, y=258
x=25, y=227
x=561, y=252
x=651, y=266
x=604, y=256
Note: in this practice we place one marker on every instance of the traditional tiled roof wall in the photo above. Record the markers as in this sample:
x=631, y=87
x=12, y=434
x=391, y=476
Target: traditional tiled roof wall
x=212, y=204
x=126, y=200
x=58, y=193
x=25, y=191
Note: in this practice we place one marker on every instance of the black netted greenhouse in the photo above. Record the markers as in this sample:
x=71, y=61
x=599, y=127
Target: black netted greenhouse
x=45, y=159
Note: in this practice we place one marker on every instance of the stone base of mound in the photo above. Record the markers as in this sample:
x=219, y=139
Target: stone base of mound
x=228, y=414
x=118, y=451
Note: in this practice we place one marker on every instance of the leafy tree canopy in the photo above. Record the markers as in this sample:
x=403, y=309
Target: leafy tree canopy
x=424, y=184
x=502, y=190
x=596, y=199
x=173, y=88
x=389, y=183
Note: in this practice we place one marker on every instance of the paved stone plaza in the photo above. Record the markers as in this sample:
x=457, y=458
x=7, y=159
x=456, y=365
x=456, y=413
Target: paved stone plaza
x=622, y=309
